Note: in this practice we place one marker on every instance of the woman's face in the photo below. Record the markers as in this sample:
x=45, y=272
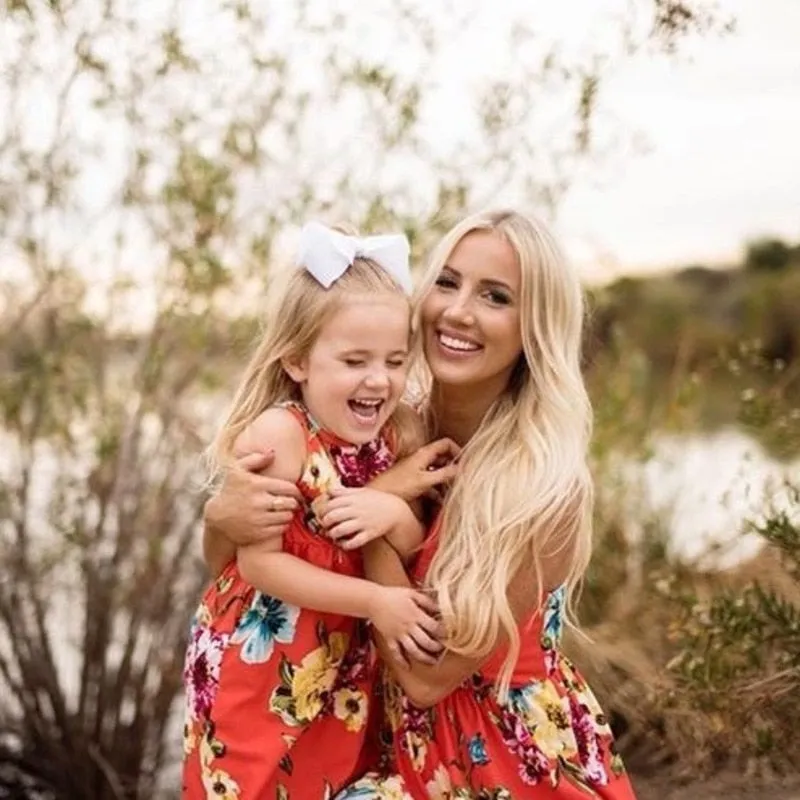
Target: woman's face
x=471, y=316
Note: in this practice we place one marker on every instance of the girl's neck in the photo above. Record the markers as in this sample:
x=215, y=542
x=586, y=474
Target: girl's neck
x=458, y=412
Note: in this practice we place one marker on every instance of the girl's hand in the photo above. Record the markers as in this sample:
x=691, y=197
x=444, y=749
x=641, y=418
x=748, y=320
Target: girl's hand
x=404, y=617
x=419, y=474
x=354, y=517
x=251, y=508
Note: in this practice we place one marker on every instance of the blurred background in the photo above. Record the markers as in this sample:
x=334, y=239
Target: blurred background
x=156, y=161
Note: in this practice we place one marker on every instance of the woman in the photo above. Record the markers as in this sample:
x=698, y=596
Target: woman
x=503, y=714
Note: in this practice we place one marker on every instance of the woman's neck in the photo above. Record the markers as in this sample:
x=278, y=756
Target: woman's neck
x=458, y=412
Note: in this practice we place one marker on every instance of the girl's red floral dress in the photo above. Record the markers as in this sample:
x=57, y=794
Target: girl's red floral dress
x=550, y=739
x=259, y=672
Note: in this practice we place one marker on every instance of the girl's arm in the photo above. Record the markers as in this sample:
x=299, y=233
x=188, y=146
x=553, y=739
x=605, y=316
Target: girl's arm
x=354, y=517
x=396, y=612
x=250, y=507
x=424, y=684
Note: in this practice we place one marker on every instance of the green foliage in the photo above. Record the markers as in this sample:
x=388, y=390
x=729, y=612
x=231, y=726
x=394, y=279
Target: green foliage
x=738, y=658
x=771, y=255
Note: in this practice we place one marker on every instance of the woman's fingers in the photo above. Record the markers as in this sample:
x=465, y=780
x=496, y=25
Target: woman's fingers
x=278, y=487
x=397, y=653
x=434, y=628
x=279, y=518
x=415, y=651
x=426, y=603
x=277, y=503
x=254, y=462
x=425, y=641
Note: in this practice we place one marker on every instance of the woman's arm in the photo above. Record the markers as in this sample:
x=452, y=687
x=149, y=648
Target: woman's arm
x=424, y=684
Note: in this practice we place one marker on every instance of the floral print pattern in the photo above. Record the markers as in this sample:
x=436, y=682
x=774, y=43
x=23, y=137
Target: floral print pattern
x=268, y=682
x=547, y=739
x=267, y=621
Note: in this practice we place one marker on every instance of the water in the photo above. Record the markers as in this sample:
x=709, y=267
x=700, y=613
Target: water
x=703, y=489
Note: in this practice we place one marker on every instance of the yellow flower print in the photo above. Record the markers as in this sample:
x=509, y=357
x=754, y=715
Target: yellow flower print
x=351, y=708
x=320, y=472
x=440, y=787
x=203, y=615
x=393, y=703
x=315, y=675
x=189, y=739
x=220, y=785
x=417, y=749
x=543, y=712
x=392, y=789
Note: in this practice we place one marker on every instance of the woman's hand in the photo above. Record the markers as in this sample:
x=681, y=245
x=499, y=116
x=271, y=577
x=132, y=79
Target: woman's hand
x=355, y=517
x=405, y=618
x=419, y=474
x=251, y=508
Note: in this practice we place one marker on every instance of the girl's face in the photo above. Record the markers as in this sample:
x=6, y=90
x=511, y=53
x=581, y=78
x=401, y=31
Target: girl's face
x=355, y=374
x=471, y=316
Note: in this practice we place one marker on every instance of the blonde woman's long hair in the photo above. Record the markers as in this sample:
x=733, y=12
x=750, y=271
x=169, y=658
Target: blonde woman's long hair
x=296, y=316
x=523, y=495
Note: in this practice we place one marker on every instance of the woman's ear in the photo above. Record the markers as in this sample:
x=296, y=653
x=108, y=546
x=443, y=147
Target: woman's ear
x=295, y=368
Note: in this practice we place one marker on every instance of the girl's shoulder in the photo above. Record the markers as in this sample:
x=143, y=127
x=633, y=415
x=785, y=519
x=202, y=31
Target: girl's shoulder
x=278, y=428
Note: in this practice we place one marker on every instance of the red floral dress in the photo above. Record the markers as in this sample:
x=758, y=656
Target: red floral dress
x=550, y=739
x=277, y=695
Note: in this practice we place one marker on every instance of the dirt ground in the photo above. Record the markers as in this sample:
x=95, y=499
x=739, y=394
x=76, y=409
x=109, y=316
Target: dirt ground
x=723, y=787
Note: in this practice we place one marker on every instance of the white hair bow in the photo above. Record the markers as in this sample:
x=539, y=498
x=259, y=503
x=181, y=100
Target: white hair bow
x=327, y=254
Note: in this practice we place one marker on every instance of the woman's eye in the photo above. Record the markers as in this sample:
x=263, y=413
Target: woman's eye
x=445, y=282
x=499, y=298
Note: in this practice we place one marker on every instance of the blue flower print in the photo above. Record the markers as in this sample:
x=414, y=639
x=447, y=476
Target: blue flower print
x=477, y=750
x=268, y=620
x=553, y=618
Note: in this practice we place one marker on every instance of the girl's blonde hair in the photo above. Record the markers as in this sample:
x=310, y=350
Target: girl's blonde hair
x=297, y=316
x=524, y=493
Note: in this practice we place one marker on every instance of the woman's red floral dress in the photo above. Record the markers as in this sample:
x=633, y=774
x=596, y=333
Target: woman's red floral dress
x=277, y=695
x=550, y=739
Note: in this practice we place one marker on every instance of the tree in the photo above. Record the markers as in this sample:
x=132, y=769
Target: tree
x=151, y=167
x=767, y=255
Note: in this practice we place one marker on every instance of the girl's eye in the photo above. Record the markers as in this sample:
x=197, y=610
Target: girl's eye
x=397, y=363
x=354, y=362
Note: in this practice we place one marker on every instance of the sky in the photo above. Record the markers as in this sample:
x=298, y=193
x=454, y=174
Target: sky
x=706, y=156
x=722, y=163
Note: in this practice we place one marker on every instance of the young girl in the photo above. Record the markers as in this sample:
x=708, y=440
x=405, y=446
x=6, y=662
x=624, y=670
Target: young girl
x=277, y=651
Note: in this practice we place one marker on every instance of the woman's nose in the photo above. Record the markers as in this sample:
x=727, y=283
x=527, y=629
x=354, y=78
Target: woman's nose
x=459, y=310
